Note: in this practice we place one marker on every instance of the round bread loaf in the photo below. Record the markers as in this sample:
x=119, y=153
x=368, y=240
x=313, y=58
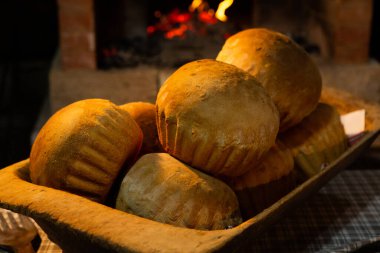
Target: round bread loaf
x=317, y=141
x=263, y=185
x=83, y=146
x=144, y=114
x=216, y=117
x=283, y=68
x=161, y=188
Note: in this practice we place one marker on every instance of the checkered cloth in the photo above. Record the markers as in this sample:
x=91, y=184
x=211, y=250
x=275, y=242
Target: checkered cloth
x=342, y=217
x=46, y=245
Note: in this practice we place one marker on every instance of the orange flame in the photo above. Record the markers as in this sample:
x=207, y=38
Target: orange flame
x=176, y=23
x=195, y=5
x=220, y=12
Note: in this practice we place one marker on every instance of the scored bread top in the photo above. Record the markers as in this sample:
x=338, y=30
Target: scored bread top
x=215, y=117
x=82, y=147
x=317, y=141
x=276, y=163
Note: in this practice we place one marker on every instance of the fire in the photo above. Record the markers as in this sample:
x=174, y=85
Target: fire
x=195, y=5
x=207, y=17
x=177, y=32
x=177, y=23
x=220, y=12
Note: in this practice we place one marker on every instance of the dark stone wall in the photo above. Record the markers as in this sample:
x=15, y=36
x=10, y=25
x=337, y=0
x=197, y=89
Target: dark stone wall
x=28, y=41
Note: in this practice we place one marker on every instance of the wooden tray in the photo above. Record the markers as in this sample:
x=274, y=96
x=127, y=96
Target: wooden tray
x=80, y=225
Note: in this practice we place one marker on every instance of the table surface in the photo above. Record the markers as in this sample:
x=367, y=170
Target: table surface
x=343, y=216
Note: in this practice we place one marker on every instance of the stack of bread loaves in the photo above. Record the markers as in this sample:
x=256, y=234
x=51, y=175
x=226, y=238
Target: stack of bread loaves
x=209, y=152
x=311, y=130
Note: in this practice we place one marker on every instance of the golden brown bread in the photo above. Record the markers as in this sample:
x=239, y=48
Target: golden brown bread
x=263, y=185
x=215, y=117
x=161, y=188
x=317, y=141
x=144, y=114
x=284, y=69
x=82, y=147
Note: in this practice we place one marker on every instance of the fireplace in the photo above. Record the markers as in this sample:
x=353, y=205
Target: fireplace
x=93, y=29
x=163, y=33
x=122, y=51
x=151, y=32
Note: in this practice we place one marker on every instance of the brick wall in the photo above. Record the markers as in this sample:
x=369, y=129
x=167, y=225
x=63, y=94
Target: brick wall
x=77, y=34
x=341, y=28
x=350, y=24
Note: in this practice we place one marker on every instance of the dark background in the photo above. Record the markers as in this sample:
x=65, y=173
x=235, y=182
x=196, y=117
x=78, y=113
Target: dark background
x=28, y=42
x=375, y=35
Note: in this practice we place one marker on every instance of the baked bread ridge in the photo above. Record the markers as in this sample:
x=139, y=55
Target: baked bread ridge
x=266, y=183
x=276, y=163
x=144, y=114
x=215, y=117
x=285, y=70
x=82, y=147
x=162, y=188
x=317, y=141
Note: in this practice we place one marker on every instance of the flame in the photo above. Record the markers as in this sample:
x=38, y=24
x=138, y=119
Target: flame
x=220, y=12
x=195, y=5
x=176, y=23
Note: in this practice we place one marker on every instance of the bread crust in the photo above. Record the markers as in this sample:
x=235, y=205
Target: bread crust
x=82, y=147
x=265, y=184
x=276, y=163
x=284, y=69
x=215, y=117
x=161, y=188
x=144, y=114
x=317, y=141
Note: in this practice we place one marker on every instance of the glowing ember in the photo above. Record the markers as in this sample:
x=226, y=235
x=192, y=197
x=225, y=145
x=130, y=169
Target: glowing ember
x=220, y=12
x=207, y=17
x=177, y=17
x=177, y=32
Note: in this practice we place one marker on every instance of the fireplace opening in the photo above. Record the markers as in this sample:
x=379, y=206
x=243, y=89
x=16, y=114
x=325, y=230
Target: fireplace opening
x=165, y=33
x=171, y=33
x=125, y=33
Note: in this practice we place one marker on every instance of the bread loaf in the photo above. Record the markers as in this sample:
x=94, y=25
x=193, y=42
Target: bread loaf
x=266, y=183
x=161, y=188
x=145, y=116
x=216, y=117
x=317, y=141
x=83, y=146
x=284, y=69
